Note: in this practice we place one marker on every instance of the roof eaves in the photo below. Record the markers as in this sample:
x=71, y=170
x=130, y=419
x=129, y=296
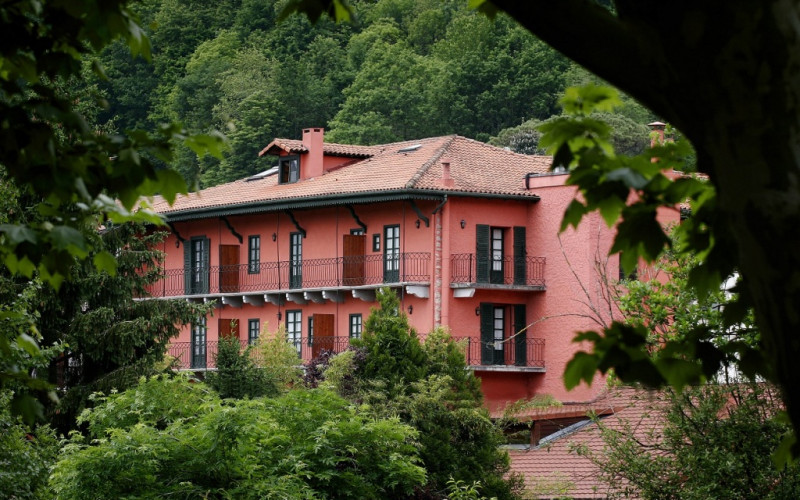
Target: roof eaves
x=299, y=203
x=335, y=199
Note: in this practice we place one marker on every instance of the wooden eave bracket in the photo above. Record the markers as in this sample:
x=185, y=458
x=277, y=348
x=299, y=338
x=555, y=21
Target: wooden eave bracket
x=172, y=228
x=296, y=224
x=419, y=213
x=231, y=229
x=355, y=217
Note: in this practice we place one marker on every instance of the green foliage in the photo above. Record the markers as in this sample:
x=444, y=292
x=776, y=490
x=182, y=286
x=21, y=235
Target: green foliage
x=459, y=490
x=237, y=375
x=606, y=181
x=26, y=456
x=155, y=401
x=429, y=387
x=627, y=136
x=716, y=442
x=305, y=444
x=52, y=152
x=671, y=333
x=265, y=369
x=395, y=357
x=72, y=174
x=277, y=358
x=112, y=338
x=457, y=438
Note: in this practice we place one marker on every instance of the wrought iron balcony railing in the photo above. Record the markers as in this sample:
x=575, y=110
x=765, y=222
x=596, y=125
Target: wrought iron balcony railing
x=332, y=272
x=202, y=355
x=466, y=268
x=523, y=352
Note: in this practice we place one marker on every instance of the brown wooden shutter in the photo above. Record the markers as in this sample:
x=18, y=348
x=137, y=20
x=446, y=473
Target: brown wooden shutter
x=323, y=333
x=228, y=268
x=228, y=328
x=354, y=248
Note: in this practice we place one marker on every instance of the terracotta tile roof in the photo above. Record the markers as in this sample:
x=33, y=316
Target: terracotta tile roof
x=475, y=167
x=328, y=148
x=555, y=470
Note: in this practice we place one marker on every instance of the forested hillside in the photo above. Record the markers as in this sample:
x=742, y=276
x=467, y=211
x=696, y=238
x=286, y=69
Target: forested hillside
x=405, y=69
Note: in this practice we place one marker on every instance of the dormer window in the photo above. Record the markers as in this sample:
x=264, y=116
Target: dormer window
x=288, y=169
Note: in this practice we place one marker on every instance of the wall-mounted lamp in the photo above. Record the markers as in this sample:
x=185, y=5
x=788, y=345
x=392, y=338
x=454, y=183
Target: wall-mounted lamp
x=279, y=315
x=274, y=236
x=410, y=309
x=416, y=223
x=478, y=311
x=463, y=223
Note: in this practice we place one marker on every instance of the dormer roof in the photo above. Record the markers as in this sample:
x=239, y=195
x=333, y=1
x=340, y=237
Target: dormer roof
x=294, y=146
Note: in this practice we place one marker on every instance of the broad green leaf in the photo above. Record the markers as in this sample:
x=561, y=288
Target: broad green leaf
x=69, y=238
x=582, y=366
x=573, y=215
x=17, y=233
x=105, y=262
x=28, y=344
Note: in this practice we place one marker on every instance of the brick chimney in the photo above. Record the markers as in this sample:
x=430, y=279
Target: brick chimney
x=311, y=162
x=447, y=180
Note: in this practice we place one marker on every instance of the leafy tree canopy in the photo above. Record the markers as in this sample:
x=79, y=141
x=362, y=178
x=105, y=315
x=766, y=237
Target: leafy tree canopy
x=304, y=444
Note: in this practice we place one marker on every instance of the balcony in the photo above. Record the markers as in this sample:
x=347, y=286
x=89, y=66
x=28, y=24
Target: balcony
x=523, y=355
x=507, y=272
x=202, y=355
x=284, y=276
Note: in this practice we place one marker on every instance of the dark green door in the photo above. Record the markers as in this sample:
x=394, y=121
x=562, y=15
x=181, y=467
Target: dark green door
x=295, y=260
x=199, y=344
x=391, y=254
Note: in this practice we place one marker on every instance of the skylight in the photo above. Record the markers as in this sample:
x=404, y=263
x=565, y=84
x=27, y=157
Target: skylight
x=261, y=175
x=409, y=149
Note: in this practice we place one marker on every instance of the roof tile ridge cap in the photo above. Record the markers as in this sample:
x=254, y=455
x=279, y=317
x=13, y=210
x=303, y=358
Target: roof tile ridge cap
x=431, y=161
x=281, y=143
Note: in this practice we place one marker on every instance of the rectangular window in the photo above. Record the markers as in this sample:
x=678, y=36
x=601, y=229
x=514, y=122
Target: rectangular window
x=311, y=330
x=497, y=249
x=253, y=254
x=253, y=330
x=199, y=335
x=497, y=271
x=355, y=326
x=376, y=242
x=499, y=329
x=295, y=260
x=288, y=169
x=357, y=232
x=294, y=328
x=391, y=254
x=198, y=258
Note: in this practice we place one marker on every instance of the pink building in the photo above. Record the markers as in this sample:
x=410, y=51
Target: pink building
x=466, y=233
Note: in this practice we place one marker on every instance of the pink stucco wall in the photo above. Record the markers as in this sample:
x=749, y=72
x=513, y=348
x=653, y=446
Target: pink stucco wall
x=565, y=307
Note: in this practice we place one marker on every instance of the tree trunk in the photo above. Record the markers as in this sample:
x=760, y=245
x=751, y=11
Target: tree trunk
x=727, y=74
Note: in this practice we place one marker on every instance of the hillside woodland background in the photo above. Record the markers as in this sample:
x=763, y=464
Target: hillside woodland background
x=405, y=69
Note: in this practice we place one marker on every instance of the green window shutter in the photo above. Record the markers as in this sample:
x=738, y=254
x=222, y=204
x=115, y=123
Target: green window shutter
x=487, y=333
x=206, y=264
x=482, y=253
x=521, y=340
x=187, y=267
x=520, y=256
